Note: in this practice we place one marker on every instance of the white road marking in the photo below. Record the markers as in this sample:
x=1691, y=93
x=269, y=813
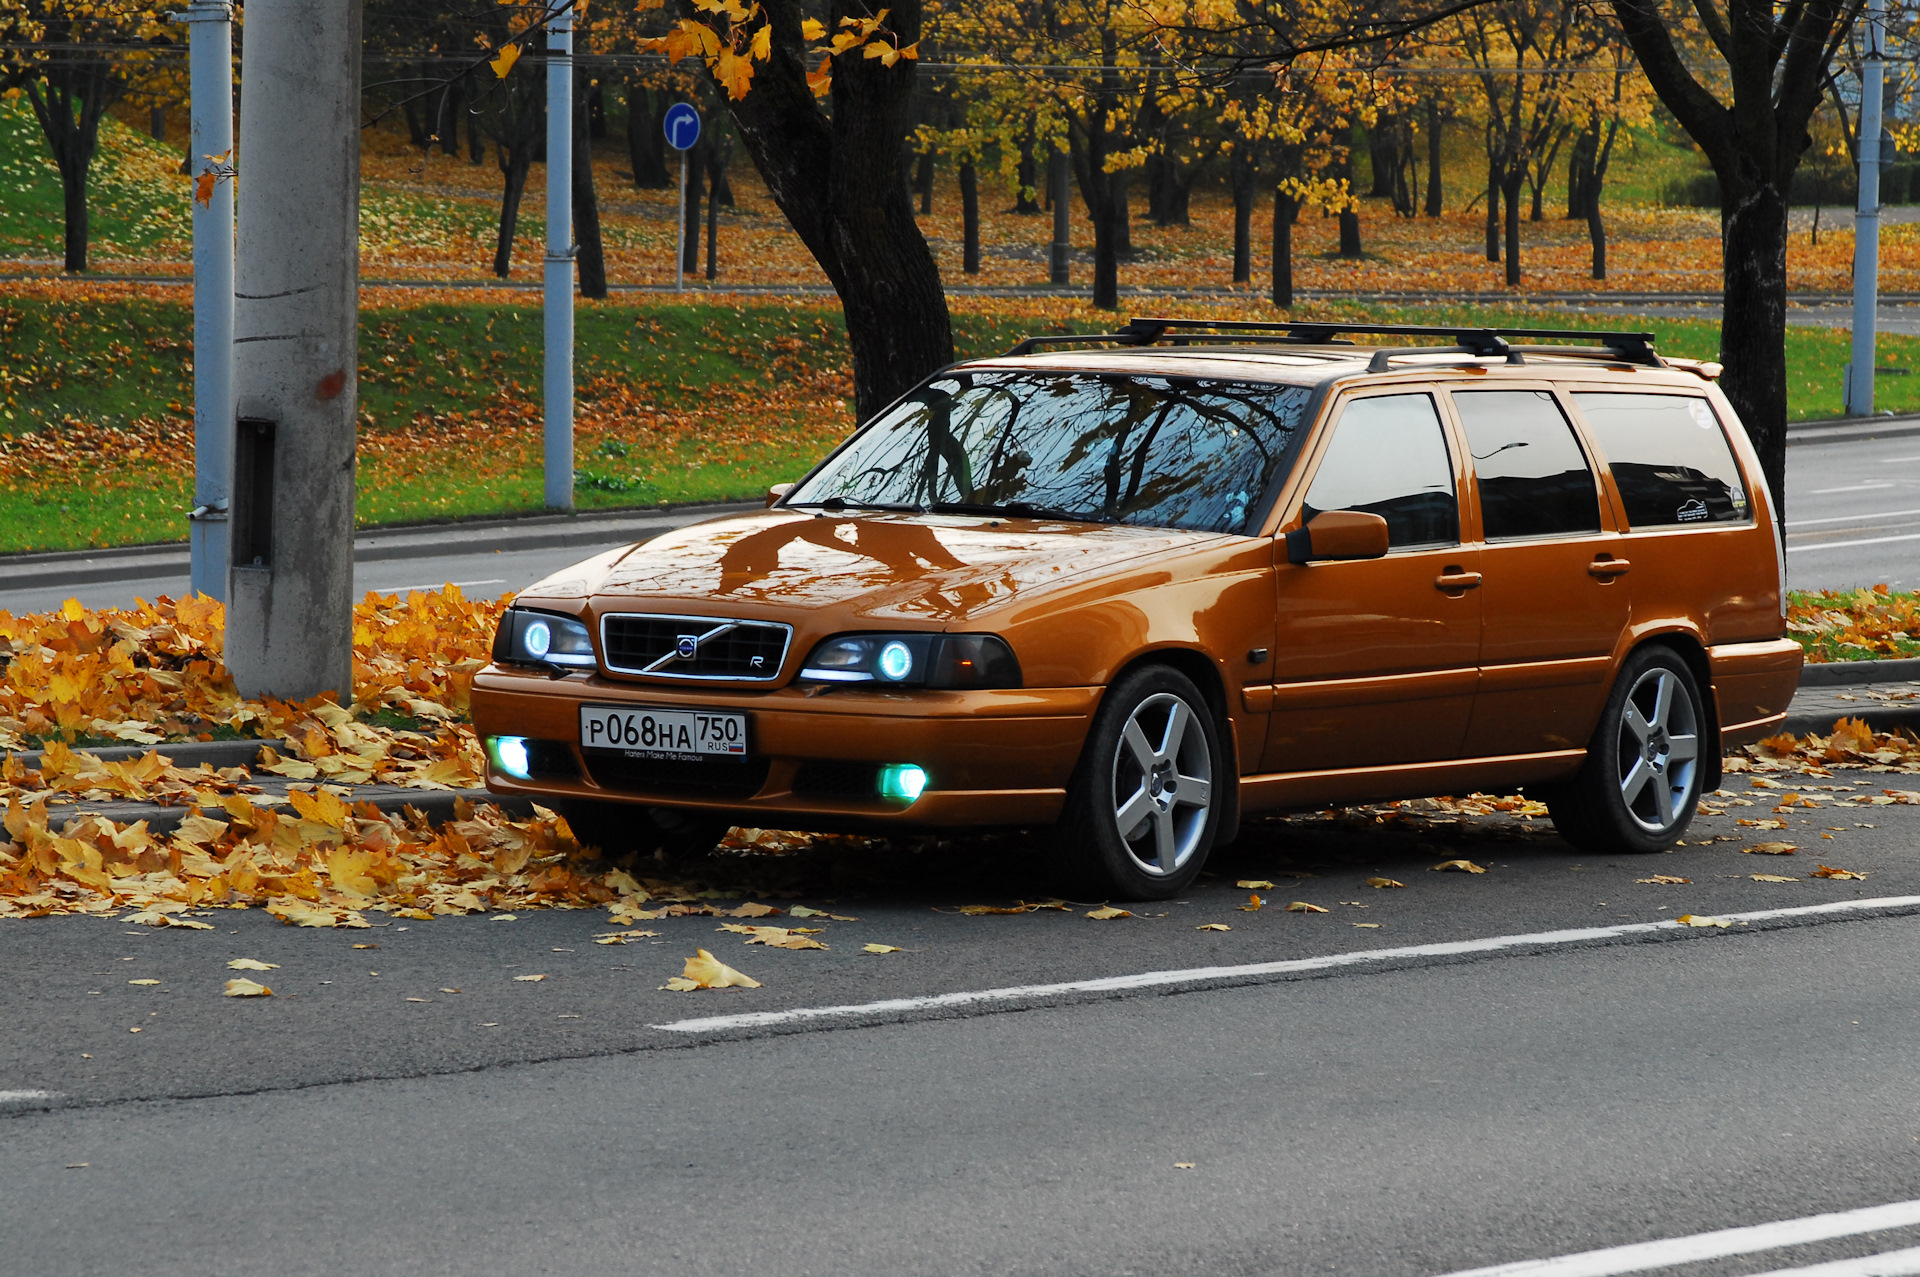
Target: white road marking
x=1641, y=1256
x=1841, y=545
x=405, y=589
x=1192, y=975
x=1849, y=518
x=1853, y=487
x=20, y=1097
x=1895, y=1263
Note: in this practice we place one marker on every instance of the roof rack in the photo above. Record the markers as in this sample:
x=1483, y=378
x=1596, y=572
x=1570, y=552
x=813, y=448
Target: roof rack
x=1480, y=342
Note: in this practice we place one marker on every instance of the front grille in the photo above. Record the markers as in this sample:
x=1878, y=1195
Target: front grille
x=837, y=780
x=674, y=778
x=748, y=651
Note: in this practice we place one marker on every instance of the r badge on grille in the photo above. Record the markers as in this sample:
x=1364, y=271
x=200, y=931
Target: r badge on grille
x=687, y=646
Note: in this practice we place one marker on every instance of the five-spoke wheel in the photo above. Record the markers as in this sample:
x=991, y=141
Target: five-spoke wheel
x=1143, y=810
x=1637, y=790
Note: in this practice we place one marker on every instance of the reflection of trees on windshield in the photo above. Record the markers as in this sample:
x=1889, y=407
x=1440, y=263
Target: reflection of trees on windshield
x=1157, y=451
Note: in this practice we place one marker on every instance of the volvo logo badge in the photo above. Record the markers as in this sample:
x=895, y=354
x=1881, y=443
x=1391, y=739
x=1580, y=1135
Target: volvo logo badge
x=687, y=646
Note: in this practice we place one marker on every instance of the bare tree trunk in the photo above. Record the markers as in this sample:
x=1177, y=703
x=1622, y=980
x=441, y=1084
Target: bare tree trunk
x=1243, y=190
x=715, y=171
x=64, y=87
x=970, y=217
x=586, y=202
x=516, y=183
x=690, y=254
x=1516, y=174
x=923, y=181
x=1285, y=209
x=1493, y=209
x=1434, y=201
x=1028, y=176
x=646, y=145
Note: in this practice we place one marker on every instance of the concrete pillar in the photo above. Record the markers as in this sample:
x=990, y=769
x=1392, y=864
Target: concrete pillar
x=296, y=349
x=210, y=63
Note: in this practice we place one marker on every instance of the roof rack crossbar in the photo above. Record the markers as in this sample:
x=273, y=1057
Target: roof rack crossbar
x=1146, y=330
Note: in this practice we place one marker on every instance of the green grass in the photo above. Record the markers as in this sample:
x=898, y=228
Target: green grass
x=434, y=376
x=136, y=198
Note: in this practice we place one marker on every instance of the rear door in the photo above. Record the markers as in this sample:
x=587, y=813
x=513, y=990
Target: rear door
x=1554, y=599
x=1375, y=660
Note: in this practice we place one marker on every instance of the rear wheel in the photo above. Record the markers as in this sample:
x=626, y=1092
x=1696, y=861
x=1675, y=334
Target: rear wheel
x=1143, y=809
x=620, y=828
x=1639, y=786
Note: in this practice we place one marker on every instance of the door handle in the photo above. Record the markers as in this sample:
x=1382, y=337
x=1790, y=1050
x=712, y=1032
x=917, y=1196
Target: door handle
x=1454, y=579
x=1608, y=568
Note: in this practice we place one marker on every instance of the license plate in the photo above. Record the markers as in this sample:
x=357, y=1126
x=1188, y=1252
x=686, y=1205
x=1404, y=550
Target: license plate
x=689, y=735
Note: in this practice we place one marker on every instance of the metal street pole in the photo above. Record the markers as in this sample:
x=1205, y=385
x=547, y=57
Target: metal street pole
x=680, y=238
x=1866, y=220
x=210, y=64
x=558, y=386
x=296, y=352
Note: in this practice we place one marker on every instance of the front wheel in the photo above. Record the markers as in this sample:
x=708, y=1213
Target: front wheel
x=1639, y=786
x=1144, y=806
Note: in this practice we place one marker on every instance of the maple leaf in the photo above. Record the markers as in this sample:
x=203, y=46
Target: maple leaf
x=1698, y=920
x=1772, y=878
x=252, y=964
x=773, y=937
x=503, y=63
x=1106, y=913
x=820, y=81
x=1668, y=879
x=704, y=971
x=244, y=988
x=812, y=29
x=1301, y=906
x=1769, y=849
x=880, y=948
x=1384, y=883
x=733, y=73
x=1213, y=926
x=203, y=188
x=761, y=47
x=1458, y=866
x=1828, y=871
x=1254, y=884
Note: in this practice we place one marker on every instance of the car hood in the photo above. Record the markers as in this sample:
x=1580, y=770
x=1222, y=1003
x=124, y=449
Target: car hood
x=886, y=567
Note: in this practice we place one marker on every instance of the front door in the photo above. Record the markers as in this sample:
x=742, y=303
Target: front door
x=1554, y=601
x=1375, y=660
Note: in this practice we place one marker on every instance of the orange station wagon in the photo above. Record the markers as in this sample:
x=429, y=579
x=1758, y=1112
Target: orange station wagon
x=1142, y=587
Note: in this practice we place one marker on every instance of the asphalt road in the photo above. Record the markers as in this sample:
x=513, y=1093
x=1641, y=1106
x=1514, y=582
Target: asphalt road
x=1853, y=513
x=1420, y=1114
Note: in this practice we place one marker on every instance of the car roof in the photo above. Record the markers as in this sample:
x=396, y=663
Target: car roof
x=1317, y=365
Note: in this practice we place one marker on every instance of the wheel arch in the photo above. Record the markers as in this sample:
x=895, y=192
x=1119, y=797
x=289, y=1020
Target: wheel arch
x=1688, y=648
x=1205, y=675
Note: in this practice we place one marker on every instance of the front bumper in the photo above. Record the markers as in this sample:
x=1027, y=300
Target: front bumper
x=999, y=757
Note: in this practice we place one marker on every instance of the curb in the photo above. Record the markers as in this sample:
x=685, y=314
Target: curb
x=1855, y=673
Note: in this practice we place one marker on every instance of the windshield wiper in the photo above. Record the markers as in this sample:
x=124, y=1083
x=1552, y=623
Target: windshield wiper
x=1013, y=509
x=854, y=503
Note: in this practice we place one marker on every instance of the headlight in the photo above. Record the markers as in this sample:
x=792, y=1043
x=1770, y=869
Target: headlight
x=914, y=660
x=543, y=638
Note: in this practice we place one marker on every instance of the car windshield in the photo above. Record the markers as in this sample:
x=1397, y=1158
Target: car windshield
x=1170, y=452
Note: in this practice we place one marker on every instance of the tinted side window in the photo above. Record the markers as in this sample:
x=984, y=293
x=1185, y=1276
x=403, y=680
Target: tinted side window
x=1389, y=457
x=1533, y=478
x=1669, y=458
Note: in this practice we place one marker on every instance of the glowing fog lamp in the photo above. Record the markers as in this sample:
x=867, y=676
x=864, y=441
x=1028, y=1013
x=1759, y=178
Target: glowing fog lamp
x=509, y=755
x=902, y=782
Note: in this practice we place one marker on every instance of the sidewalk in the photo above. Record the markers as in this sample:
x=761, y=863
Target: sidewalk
x=1885, y=694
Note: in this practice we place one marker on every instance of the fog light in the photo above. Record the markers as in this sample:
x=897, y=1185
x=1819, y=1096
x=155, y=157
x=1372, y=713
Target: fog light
x=509, y=755
x=902, y=781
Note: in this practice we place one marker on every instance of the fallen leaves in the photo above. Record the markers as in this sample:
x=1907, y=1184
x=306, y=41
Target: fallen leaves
x=143, y=982
x=529, y=979
x=1458, y=866
x=774, y=937
x=1384, y=883
x=1370, y=926
x=1019, y=906
x=802, y=911
x=1770, y=849
x=1254, y=905
x=1213, y=926
x=880, y=948
x=252, y=964
x=1772, y=878
x=1699, y=920
x=1301, y=906
x=1666, y=879
x=1828, y=871
x=1254, y=884
x=240, y=987
x=623, y=937
x=1107, y=913
x=704, y=971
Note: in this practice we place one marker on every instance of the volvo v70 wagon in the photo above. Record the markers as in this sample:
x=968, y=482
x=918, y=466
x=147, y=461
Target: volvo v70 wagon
x=1135, y=587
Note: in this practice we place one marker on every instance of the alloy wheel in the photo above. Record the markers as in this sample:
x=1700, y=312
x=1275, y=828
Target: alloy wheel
x=1162, y=784
x=1659, y=748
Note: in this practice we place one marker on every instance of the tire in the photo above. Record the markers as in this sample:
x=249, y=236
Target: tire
x=1144, y=806
x=622, y=828
x=1638, y=788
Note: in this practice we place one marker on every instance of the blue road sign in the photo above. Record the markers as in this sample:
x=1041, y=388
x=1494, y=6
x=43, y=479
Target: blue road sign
x=682, y=126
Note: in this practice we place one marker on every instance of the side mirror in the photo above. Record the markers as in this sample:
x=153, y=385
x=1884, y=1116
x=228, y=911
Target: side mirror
x=1338, y=534
x=777, y=491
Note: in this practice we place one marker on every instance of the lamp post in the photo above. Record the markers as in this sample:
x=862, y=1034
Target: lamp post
x=1866, y=218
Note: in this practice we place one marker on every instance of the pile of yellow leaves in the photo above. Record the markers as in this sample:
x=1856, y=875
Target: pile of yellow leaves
x=1851, y=743
x=319, y=864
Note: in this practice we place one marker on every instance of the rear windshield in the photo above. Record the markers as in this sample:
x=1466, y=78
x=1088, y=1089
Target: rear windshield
x=1169, y=452
x=1669, y=458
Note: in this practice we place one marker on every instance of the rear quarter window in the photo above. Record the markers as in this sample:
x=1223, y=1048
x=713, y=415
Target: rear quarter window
x=1669, y=456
